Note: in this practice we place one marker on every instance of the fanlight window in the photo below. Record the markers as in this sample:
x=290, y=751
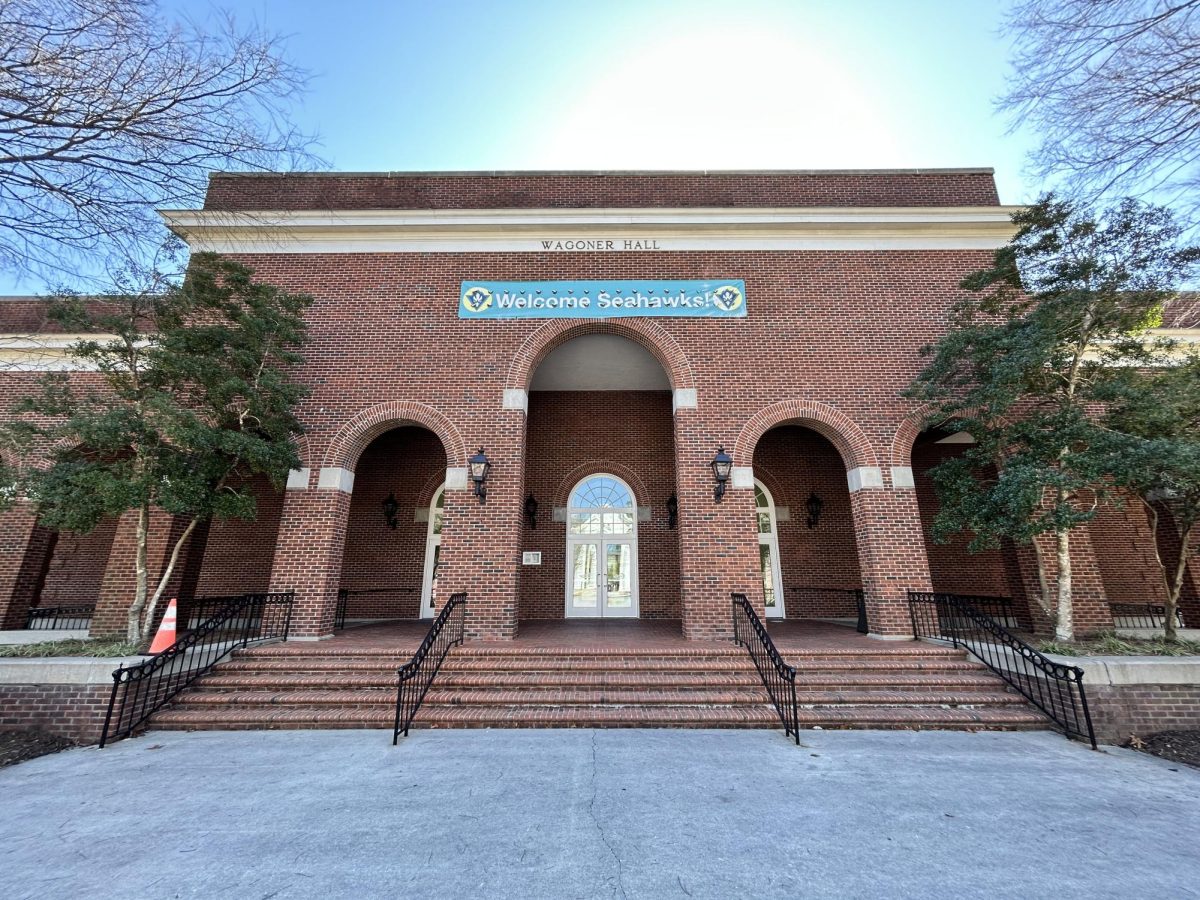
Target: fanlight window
x=602, y=504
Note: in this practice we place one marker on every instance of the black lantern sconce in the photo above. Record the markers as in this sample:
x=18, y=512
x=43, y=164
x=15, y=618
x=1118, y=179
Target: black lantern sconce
x=531, y=507
x=722, y=465
x=390, y=509
x=478, y=466
x=672, y=511
x=813, y=505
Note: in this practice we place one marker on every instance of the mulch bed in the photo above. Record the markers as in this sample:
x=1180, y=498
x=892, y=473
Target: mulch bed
x=1177, y=746
x=18, y=746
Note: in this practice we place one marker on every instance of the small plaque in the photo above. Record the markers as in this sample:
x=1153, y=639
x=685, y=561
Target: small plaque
x=531, y=558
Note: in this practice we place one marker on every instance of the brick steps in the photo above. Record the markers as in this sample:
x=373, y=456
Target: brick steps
x=702, y=686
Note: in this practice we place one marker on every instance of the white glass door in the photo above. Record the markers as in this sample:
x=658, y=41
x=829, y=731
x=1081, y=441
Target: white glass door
x=602, y=549
x=768, y=552
x=433, y=552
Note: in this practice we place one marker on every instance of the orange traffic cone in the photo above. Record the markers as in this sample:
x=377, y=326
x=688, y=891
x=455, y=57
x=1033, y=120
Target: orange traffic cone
x=166, y=631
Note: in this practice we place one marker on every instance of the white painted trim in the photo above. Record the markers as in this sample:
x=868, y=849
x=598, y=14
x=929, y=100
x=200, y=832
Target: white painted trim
x=771, y=539
x=525, y=230
x=902, y=477
x=432, y=541
x=683, y=398
x=574, y=540
x=297, y=479
x=335, y=478
x=864, y=477
x=456, y=478
x=742, y=477
x=515, y=398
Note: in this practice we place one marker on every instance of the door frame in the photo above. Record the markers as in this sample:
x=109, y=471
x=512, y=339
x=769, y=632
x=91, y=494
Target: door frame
x=772, y=541
x=600, y=540
x=433, y=541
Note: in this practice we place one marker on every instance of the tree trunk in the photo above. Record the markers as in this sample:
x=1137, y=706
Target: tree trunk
x=1064, y=628
x=1175, y=587
x=133, y=624
x=166, y=575
x=1045, y=599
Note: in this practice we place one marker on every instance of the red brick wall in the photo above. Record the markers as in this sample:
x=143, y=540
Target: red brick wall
x=617, y=190
x=237, y=553
x=75, y=711
x=1119, y=711
x=411, y=464
x=794, y=462
x=952, y=567
x=77, y=564
x=575, y=434
x=1124, y=548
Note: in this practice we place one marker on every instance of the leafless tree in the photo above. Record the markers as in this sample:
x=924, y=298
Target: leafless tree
x=1113, y=87
x=107, y=110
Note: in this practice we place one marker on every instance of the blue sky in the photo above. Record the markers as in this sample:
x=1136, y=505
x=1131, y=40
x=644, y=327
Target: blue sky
x=658, y=84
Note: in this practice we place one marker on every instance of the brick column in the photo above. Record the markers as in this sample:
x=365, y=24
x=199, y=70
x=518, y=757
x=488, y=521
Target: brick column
x=25, y=549
x=308, y=549
x=481, y=542
x=891, y=546
x=120, y=574
x=718, y=542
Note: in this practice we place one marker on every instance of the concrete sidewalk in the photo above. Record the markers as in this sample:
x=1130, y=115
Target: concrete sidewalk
x=598, y=814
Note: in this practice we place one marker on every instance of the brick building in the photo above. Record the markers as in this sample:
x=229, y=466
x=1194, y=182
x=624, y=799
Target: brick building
x=776, y=316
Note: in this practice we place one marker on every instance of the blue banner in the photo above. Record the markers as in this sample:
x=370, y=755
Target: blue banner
x=600, y=299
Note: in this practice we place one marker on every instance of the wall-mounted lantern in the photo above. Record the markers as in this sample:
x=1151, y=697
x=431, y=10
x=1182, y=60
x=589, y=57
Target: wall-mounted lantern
x=672, y=511
x=390, y=510
x=478, y=466
x=813, y=505
x=722, y=465
x=531, y=508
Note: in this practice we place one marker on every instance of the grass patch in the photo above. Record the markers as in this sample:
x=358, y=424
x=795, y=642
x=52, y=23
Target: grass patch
x=1112, y=645
x=71, y=647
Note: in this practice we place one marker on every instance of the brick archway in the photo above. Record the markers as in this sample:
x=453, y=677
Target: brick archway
x=558, y=331
x=906, y=436
x=827, y=421
x=353, y=437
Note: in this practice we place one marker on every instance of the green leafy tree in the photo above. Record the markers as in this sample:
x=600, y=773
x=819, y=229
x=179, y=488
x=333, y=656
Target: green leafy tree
x=1153, y=410
x=193, y=396
x=1020, y=368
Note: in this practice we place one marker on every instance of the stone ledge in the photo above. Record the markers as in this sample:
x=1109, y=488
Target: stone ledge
x=1121, y=670
x=63, y=670
x=40, y=636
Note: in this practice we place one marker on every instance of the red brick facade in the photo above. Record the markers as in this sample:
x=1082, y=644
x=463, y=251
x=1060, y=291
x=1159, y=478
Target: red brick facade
x=805, y=390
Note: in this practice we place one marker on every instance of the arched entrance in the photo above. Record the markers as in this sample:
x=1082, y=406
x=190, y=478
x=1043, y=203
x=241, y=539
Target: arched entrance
x=433, y=551
x=602, y=549
x=768, y=551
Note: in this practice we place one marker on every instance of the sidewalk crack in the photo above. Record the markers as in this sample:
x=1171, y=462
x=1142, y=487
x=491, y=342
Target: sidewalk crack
x=600, y=828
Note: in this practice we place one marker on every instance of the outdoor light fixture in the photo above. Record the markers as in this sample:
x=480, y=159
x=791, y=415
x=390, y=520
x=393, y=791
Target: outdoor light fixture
x=531, y=506
x=390, y=509
x=672, y=511
x=479, y=466
x=722, y=465
x=813, y=505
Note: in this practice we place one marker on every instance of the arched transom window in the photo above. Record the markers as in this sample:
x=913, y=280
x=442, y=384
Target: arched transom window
x=602, y=504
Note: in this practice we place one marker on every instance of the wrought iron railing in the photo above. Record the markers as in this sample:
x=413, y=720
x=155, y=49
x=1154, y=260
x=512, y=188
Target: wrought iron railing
x=142, y=689
x=391, y=596
x=195, y=611
x=777, y=676
x=60, y=618
x=1056, y=689
x=1142, y=615
x=417, y=675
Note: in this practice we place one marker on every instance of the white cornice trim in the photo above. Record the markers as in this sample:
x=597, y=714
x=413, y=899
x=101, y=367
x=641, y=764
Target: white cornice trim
x=526, y=230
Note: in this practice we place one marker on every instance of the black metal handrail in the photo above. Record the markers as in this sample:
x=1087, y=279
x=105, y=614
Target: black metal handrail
x=60, y=618
x=1145, y=615
x=339, y=616
x=777, y=676
x=1054, y=688
x=447, y=630
x=142, y=689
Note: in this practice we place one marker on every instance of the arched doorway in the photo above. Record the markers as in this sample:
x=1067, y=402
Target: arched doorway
x=602, y=549
x=768, y=551
x=433, y=551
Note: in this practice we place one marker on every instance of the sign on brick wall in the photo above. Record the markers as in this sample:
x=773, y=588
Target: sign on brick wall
x=724, y=299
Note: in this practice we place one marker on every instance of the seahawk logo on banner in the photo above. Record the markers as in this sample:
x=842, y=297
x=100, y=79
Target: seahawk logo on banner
x=601, y=299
